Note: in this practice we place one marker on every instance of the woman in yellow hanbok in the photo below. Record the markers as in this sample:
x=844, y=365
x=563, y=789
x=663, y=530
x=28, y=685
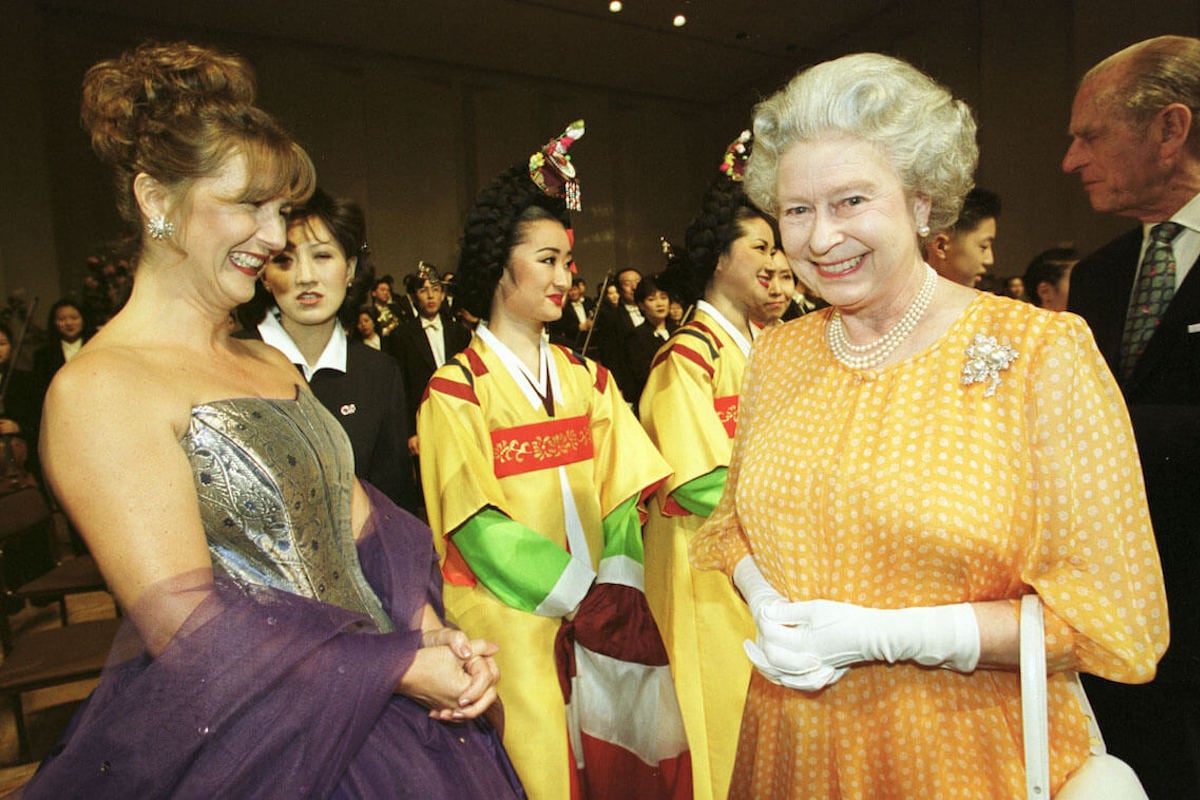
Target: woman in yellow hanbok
x=690, y=409
x=537, y=523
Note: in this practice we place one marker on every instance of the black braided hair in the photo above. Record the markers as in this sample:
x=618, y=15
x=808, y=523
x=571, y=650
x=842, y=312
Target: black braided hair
x=491, y=231
x=709, y=236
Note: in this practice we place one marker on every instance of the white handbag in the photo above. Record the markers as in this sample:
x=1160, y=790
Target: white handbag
x=1101, y=777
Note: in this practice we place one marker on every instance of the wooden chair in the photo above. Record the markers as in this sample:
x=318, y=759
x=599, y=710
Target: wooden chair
x=77, y=575
x=38, y=659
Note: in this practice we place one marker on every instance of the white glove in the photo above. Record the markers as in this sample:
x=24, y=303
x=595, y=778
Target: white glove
x=758, y=593
x=807, y=680
x=816, y=638
x=760, y=597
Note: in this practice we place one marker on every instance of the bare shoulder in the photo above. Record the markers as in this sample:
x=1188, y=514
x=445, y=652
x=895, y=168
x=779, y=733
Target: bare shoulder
x=114, y=383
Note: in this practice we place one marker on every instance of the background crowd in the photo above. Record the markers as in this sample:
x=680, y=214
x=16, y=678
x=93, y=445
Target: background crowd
x=880, y=480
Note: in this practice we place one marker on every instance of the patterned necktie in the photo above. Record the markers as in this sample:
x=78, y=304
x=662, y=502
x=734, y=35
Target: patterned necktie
x=1151, y=294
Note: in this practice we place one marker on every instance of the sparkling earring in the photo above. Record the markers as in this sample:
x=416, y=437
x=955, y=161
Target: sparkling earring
x=159, y=228
x=922, y=230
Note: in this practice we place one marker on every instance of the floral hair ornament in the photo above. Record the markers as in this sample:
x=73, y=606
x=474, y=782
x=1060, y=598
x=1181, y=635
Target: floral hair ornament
x=551, y=168
x=736, y=156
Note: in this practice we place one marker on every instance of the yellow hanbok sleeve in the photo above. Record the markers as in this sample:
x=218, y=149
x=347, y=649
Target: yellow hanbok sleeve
x=626, y=462
x=721, y=543
x=1092, y=558
x=678, y=414
x=456, y=467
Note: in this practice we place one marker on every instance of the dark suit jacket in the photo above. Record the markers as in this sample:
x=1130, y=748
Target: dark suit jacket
x=640, y=346
x=612, y=326
x=48, y=360
x=1163, y=395
x=410, y=347
x=369, y=402
x=565, y=329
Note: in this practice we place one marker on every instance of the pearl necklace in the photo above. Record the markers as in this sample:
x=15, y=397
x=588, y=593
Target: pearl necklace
x=871, y=355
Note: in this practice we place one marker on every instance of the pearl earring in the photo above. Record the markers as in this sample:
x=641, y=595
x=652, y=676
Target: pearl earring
x=922, y=230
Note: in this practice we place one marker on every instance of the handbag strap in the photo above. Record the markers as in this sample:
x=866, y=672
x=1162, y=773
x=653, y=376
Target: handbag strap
x=1033, y=699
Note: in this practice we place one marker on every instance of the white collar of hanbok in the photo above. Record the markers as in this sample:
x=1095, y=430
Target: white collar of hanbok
x=738, y=337
x=526, y=381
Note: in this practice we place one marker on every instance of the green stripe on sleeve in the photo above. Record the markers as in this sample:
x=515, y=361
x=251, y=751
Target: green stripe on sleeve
x=623, y=532
x=524, y=569
x=700, y=495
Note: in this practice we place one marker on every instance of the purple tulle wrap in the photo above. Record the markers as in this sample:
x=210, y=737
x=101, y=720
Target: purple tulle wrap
x=265, y=694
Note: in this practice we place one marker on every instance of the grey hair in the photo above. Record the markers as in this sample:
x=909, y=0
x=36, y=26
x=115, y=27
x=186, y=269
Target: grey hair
x=926, y=135
x=1155, y=73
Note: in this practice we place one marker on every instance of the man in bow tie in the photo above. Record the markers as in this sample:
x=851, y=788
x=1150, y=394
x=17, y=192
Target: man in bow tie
x=424, y=342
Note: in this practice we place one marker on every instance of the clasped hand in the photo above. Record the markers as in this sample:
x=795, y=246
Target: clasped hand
x=451, y=675
x=807, y=645
x=811, y=644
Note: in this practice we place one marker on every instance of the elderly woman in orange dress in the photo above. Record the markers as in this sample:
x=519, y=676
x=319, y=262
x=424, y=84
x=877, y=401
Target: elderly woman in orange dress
x=909, y=463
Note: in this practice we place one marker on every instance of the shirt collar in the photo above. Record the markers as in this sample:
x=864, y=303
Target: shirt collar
x=1188, y=217
x=435, y=323
x=332, y=357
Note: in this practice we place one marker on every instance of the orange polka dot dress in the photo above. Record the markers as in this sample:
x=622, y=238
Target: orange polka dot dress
x=905, y=486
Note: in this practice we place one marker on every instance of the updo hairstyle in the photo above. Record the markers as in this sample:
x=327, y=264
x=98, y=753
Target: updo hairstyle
x=346, y=222
x=709, y=236
x=176, y=112
x=926, y=135
x=493, y=228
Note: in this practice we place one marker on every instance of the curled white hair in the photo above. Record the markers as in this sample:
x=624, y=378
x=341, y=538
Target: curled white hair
x=926, y=135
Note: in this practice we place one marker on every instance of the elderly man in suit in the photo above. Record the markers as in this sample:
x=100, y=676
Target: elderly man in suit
x=1135, y=144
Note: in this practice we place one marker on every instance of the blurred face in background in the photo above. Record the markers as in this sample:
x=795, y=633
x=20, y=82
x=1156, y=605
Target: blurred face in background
x=675, y=312
x=366, y=325
x=382, y=293
x=627, y=281
x=1053, y=295
x=970, y=253
x=781, y=285
x=429, y=299
x=655, y=307
x=68, y=321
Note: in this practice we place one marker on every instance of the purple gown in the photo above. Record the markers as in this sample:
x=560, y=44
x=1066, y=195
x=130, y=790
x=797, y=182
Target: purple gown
x=280, y=682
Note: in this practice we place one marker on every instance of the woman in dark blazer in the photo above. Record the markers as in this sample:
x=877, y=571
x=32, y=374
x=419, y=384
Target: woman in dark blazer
x=68, y=332
x=309, y=294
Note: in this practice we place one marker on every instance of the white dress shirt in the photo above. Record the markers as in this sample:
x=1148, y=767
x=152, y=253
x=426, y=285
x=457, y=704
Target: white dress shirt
x=437, y=342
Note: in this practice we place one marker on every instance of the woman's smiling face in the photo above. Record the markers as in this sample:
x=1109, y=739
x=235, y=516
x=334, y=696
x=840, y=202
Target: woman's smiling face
x=847, y=224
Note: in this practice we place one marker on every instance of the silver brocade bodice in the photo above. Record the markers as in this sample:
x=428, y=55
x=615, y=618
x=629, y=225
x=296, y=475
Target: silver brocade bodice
x=274, y=482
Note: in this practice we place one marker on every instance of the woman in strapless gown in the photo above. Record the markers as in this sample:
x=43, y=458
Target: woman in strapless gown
x=286, y=634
